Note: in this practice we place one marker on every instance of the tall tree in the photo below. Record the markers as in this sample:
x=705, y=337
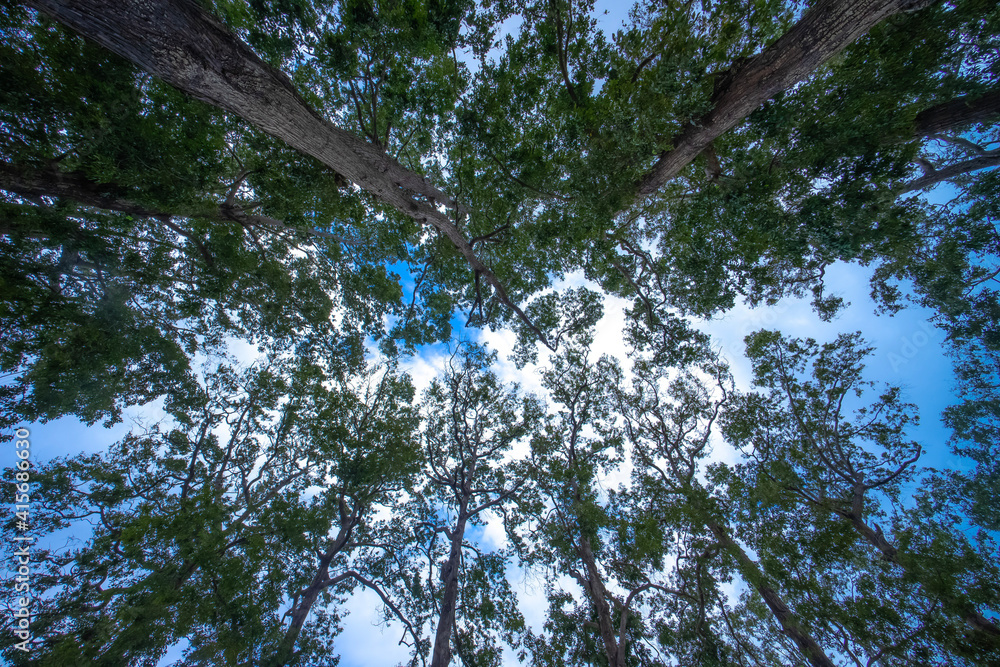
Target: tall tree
x=185, y=46
x=616, y=544
x=140, y=225
x=472, y=425
x=569, y=524
x=803, y=441
x=597, y=113
x=668, y=424
x=254, y=500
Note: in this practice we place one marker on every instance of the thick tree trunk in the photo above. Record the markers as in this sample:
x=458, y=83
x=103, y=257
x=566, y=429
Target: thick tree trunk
x=957, y=114
x=187, y=47
x=789, y=623
x=827, y=28
x=184, y=45
x=441, y=656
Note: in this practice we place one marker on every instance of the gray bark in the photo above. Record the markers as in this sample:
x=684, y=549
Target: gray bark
x=826, y=29
x=593, y=584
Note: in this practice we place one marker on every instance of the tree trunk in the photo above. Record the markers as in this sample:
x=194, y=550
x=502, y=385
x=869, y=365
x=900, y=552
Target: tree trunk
x=187, y=47
x=285, y=650
x=957, y=114
x=70, y=185
x=594, y=587
x=441, y=656
x=827, y=28
x=789, y=623
x=592, y=583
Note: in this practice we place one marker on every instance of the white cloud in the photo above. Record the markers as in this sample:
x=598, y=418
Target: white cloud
x=425, y=367
x=366, y=641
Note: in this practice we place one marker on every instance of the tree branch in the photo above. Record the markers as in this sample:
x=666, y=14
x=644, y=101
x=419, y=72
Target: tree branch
x=77, y=187
x=935, y=176
x=957, y=113
x=826, y=29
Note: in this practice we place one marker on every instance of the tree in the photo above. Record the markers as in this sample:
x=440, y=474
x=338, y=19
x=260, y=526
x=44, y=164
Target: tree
x=189, y=49
x=569, y=521
x=669, y=423
x=616, y=545
x=975, y=422
x=472, y=424
x=802, y=442
x=186, y=47
x=258, y=497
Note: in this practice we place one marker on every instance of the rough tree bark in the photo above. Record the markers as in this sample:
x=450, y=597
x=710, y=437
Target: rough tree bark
x=957, y=113
x=183, y=44
x=187, y=47
x=826, y=29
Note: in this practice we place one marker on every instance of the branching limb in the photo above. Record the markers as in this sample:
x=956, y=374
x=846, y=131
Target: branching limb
x=985, y=161
x=826, y=28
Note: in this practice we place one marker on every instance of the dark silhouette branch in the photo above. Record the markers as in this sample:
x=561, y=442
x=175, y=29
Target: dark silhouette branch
x=79, y=188
x=958, y=113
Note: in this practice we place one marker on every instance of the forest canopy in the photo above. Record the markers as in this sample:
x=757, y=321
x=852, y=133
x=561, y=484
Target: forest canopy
x=347, y=187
